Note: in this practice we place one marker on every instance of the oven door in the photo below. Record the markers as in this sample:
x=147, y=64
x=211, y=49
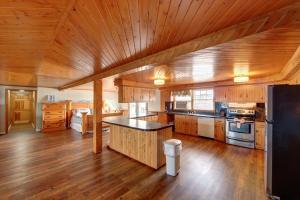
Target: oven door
x=240, y=131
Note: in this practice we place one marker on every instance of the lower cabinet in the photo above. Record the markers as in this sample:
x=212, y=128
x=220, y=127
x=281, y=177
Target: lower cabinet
x=186, y=124
x=260, y=135
x=220, y=130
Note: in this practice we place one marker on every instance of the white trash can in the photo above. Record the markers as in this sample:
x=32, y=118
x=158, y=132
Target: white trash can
x=172, y=149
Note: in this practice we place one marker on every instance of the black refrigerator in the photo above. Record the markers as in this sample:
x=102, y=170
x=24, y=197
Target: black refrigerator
x=282, y=160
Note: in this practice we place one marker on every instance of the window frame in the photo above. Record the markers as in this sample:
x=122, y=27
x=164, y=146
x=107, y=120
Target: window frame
x=213, y=100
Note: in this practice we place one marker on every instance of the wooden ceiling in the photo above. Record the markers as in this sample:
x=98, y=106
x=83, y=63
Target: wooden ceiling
x=54, y=42
x=260, y=55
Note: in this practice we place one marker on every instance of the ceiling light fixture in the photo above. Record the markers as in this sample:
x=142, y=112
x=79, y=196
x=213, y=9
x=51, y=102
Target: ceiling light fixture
x=159, y=82
x=241, y=79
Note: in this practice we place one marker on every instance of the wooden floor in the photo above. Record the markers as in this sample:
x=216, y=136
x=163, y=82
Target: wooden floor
x=62, y=166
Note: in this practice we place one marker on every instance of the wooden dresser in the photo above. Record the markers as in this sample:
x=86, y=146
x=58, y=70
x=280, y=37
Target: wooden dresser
x=54, y=116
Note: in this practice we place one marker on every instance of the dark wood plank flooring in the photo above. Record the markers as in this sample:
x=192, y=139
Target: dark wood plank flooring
x=62, y=166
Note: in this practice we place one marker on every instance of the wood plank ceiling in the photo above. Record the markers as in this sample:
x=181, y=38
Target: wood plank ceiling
x=260, y=55
x=51, y=43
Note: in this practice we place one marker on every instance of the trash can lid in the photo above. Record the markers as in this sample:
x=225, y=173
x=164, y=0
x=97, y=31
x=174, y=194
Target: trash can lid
x=174, y=142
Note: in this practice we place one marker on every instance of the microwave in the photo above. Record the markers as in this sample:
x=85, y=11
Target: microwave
x=181, y=105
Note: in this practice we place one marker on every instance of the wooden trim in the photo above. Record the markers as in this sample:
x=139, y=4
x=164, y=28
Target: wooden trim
x=285, y=17
x=97, y=117
x=6, y=111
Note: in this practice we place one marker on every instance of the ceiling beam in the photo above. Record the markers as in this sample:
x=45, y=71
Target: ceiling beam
x=285, y=17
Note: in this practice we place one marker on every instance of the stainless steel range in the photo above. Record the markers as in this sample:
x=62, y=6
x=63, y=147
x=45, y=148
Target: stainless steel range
x=240, y=126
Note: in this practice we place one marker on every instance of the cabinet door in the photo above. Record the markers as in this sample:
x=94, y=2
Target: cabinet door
x=220, y=130
x=259, y=136
x=152, y=95
x=145, y=95
x=137, y=96
x=180, y=123
x=127, y=94
x=193, y=123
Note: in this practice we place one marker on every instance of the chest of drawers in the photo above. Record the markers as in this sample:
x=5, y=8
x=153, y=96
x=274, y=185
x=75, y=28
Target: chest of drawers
x=54, y=116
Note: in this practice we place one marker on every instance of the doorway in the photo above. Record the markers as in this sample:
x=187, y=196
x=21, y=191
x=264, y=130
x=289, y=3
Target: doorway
x=20, y=109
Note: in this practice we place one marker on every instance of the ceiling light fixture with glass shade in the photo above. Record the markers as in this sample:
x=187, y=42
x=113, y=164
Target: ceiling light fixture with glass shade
x=241, y=79
x=241, y=72
x=159, y=82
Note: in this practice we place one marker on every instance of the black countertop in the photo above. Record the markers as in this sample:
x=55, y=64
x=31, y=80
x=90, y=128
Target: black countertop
x=212, y=115
x=142, y=115
x=135, y=123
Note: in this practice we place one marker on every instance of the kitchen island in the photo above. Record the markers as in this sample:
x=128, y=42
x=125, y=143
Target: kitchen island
x=138, y=139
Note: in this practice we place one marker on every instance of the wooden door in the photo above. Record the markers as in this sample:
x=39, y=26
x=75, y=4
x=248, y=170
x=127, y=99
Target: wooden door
x=259, y=135
x=220, y=130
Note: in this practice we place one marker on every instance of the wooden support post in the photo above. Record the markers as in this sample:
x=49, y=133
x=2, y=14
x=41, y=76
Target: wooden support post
x=97, y=121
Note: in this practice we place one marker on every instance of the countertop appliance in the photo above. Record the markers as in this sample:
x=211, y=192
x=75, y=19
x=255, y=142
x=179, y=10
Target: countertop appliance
x=282, y=160
x=206, y=127
x=240, y=126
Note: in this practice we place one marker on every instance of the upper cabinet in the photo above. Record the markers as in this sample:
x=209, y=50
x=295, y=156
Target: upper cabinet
x=129, y=94
x=240, y=93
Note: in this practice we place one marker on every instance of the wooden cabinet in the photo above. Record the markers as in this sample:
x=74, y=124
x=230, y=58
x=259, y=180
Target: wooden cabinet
x=165, y=117
x=260, y=135
x=192, y=125
x=220, y=129
x=186, y=124
x=240, y=94
x=152, y=95
x=180, y=123
x=54, y=116
x=126, y=94
x=135, y=94
x=165, y=95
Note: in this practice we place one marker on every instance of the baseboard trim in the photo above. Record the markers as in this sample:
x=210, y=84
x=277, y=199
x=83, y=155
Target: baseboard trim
x=2, y=133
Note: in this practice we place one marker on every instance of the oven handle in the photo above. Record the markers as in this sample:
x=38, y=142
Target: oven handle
x=249, y=122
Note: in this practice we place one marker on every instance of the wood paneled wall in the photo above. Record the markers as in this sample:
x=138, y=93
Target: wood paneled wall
x=143, y=146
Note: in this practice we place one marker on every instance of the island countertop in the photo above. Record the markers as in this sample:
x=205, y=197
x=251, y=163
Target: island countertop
x=135, y=123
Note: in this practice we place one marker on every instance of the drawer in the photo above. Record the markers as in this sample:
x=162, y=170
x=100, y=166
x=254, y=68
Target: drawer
x=55, y=112
x=54, y=121
x=54, y=106
x=54, y=117
x=54, y=125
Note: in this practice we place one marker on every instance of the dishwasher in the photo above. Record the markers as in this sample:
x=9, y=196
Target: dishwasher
x=206, y=127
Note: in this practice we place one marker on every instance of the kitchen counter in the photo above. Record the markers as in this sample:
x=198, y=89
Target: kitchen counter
x=196, y=114
x=138, y=139
x=135, y=123
x=149, y=114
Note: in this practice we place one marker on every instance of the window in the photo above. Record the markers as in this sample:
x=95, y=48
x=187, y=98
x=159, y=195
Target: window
x=203, y=99
x=137, y=109
x=182, y=100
